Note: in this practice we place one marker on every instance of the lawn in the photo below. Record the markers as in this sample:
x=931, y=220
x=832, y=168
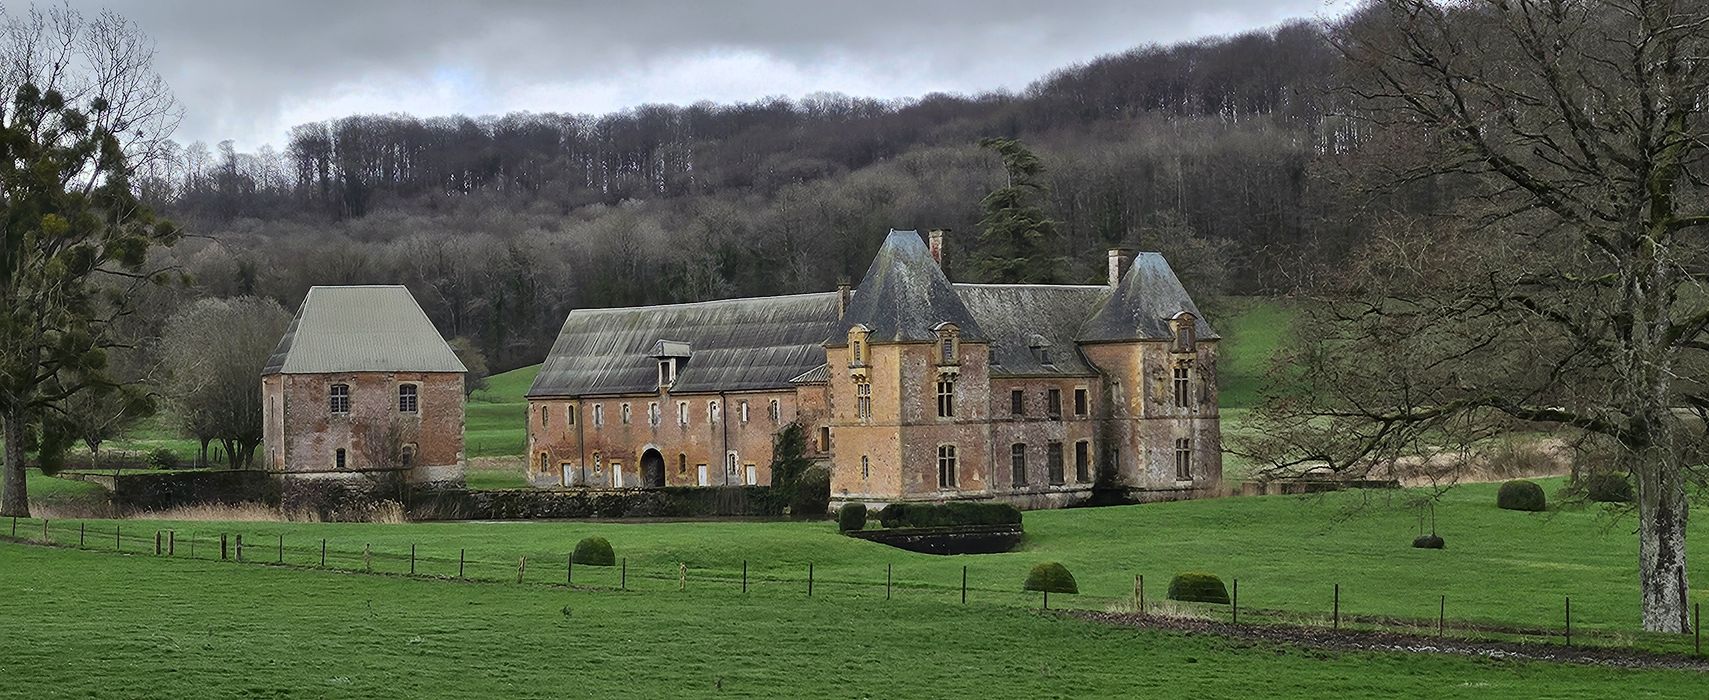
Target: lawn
x=1251, y=334
x=1288, y=552
x=496, y=418
x=97, y=624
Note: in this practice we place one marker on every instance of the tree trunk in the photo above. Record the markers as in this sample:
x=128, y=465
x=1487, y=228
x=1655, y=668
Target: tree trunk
x=14, y=496
x=1662, y=517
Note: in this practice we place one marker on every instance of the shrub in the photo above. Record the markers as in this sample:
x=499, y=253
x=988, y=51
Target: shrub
x=1521, y=494
x=1198, y=587
x=163, y=459
x=851, y=517
x=1428, y=542
x=812, y=497
x=1050, y=577
x=1606, y=487
x=594, y=551
x=948, y=514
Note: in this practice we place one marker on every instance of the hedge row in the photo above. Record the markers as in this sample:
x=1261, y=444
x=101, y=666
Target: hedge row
x=671, y=501
x=948, y=514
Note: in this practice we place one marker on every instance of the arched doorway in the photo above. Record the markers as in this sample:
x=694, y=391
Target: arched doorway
x=652, y=468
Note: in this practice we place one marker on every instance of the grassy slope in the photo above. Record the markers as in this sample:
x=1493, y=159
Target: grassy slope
x=188, y=628
x=497, y=415
x=1500, y=566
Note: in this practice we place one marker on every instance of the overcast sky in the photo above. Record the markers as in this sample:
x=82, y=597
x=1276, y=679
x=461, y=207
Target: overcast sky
x=250, y=70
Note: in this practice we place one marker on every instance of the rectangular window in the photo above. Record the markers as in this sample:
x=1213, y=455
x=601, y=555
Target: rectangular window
x=865, y=467
x=338, y=458
x=948, y=351
x=1183, y=381
x=653, y=413
x=1083, y=461
x=863, y=400
x=1053, y=463
x=682, y=413
x=1184, y=459
x=338, y=399
x=408, y=401
x=824, y=438
x=946, y=398
x=682, y=463
x=1053, y=402
x=743, y=407
x=1081, y=401
x=776, y=412
x=857, y=355
x=625, y=411
x=598, y=415
x=1018, y=464
x=1017, y=402
x=667, y=372
x=946, y=466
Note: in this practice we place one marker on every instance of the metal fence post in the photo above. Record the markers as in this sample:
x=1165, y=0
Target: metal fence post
x=412, y=559
x=281, y=548
x=1569, y=620
x=1141, y=586
x=744, y=576
x=887, y=581
x=459, y=563
x=1337, y=614
x=623, y=582
x=963, y=585
x=1442, y=616
x=1234, y=607
x=809, y=579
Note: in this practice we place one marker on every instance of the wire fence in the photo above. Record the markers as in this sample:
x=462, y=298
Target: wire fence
x=794, y=579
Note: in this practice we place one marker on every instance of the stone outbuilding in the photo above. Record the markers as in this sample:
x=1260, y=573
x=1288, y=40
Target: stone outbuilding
x=363, y=385
x=911, y=387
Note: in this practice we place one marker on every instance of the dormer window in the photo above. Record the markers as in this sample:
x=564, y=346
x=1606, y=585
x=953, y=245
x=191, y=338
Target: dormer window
x=1040, y=348
x=948, y=344
x=860, y=351
x=1185, y=326
x=667, y=372
x=670, y=354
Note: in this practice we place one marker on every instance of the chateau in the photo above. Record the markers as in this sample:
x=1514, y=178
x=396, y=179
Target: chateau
x=911, y=388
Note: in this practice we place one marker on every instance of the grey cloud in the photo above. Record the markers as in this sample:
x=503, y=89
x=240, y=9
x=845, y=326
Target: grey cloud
x=248, y=70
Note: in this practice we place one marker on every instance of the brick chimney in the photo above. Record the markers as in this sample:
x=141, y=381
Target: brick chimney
x=844, y=293
x=935, y=243
x=1120, y=260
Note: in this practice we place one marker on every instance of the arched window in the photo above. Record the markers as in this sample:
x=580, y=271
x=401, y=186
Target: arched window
x=946, y=466
x=408, y=400
x=338, y=399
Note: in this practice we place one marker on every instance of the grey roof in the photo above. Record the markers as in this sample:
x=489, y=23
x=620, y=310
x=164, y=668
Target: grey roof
x=361, y=329
x=734, y=345
x=905, y=295
x=1141, y=306
x=817, y=375
x=1020, y=316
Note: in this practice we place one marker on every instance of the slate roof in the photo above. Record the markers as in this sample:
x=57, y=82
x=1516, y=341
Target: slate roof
x=1141, y=306
x=361, y=329
x=734, y=345
x=1019, y=316
x=905, y=295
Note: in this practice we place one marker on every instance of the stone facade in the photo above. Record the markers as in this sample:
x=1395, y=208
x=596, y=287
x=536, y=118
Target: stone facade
x=303, y=436
x=919, y=389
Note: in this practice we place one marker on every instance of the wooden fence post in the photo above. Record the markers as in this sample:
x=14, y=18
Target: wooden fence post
x=1569, y=620
x=964, y=585
x=412, y=559
x=744, y=576
x=459, y=563
x=80, y=528
x=623, y=581
x=157, y=543
x=240, y=546
x=323, y=552
x=1337, y=615
x=521, y=566
x=281, y=548
x=887, y=581
x=44, y=530
x=681, y=576
x=570, y=570
x=1234, y=607
x=1047, y=599
x=118, y=544
x=1442, y=616
x=222, y=547
x=1141, y=585
x=171, y=543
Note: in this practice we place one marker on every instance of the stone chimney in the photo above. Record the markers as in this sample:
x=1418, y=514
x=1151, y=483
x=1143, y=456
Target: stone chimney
x=935, y=243
x=1120, y=260
x=844, y=293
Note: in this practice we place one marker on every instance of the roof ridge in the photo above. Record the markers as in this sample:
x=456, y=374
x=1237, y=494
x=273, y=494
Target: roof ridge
x=704, y=302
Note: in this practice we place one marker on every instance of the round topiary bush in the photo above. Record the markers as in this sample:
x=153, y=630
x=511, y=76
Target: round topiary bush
x=851, y=517
x=1520, y=494
x=1198, y=587
x=1428, y=542
x=1050, y=577
x=594, y=551
x=812, y=497
x=1608, y=488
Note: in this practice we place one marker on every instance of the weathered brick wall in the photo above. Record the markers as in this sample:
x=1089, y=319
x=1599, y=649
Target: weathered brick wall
x=1037, y=429
x=302, y=436
x=601, y=450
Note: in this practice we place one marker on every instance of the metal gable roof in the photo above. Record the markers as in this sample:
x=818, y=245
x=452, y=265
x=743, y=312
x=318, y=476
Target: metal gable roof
x=732, y=345
x=361, y=329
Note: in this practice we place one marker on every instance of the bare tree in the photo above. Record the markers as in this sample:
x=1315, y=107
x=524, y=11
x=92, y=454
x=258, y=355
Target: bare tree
x=1567, y=139
x=215, y=351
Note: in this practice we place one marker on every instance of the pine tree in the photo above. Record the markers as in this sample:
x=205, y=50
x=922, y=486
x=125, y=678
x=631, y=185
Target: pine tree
x=1016, y=239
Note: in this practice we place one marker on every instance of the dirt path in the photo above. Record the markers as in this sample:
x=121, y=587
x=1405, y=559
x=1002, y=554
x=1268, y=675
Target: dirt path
x=1319, y=638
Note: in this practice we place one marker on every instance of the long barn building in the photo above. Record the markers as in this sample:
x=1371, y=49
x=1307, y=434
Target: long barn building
x=911, y=388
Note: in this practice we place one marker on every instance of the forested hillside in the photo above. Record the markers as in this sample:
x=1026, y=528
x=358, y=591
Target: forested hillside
x=1209, y=151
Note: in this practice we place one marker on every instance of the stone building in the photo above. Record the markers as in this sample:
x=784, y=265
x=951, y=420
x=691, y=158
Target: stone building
x=912, y=387
x=362, y=384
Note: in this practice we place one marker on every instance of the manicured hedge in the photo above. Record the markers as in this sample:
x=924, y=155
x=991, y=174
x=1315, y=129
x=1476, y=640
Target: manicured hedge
x=594, y=551
x=1198, y=587
x=1050, y=577
x=1520, y=494
x=948, y=514
x=851, y=517
x=1608, y=487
